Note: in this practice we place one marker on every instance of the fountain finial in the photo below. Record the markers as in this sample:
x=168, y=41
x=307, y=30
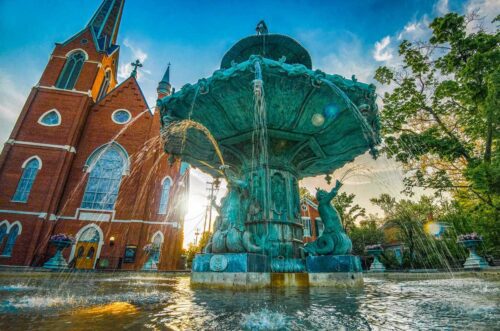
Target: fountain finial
x=261, y=28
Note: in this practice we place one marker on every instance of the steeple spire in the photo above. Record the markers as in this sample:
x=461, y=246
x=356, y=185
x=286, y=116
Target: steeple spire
x=164, y=87
x=105, y=23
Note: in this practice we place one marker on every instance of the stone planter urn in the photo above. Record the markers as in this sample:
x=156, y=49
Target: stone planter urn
x=474, y=261
x=58, y=261
x=375, y=251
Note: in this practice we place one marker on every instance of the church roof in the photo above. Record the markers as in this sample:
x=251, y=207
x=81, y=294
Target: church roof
x=104, y=25
x=122, y=87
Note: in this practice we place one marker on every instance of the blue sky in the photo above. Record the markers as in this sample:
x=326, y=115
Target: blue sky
x=343, y=37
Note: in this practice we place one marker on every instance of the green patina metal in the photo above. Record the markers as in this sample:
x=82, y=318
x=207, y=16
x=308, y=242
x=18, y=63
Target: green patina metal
x=312, y=124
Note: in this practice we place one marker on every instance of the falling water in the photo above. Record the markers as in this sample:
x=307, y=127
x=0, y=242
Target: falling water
x=260, y=153
x=183, y=126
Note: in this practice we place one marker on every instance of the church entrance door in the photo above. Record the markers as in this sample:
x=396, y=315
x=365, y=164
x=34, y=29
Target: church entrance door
x=86, y=249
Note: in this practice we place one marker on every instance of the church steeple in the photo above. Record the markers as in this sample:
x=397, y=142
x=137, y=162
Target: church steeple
x=164, y=87
x=105, y=23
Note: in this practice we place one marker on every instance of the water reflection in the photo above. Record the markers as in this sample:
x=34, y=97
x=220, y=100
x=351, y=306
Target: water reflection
x=154, y=301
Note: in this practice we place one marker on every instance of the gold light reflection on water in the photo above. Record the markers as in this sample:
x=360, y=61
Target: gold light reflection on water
x=113, y=308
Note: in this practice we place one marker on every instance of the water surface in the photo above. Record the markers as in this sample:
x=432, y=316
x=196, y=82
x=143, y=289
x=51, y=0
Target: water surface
x=120, y=301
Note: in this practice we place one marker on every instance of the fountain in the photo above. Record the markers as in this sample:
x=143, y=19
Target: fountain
x=272, y=121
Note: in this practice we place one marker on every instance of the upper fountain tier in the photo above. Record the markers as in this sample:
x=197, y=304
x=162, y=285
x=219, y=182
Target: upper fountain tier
x=316, y=122
x=271, y=46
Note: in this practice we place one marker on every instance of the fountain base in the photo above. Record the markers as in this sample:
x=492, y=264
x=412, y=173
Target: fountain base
x=333, y=263
x=255, y=280
x=231, y=263
x=249, y=271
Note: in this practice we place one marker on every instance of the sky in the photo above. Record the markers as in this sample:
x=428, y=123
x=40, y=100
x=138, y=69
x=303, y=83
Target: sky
x=342, y=37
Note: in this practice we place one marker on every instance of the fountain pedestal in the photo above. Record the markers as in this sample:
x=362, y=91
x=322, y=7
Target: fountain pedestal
x=231, y=262
x=243, y=270
x=333, y=263
x=335, y=270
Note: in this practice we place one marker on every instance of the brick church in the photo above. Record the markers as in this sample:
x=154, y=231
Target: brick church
x=85, y=159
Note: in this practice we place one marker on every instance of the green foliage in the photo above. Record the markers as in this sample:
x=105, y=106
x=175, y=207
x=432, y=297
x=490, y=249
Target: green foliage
x=441, y=119
x=367, y=233
x=193, y=249
x=304, y=193
x=349, y=213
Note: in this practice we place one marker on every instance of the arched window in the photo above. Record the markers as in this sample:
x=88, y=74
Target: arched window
x=307, y=226
x=90, y=235
x=320, y=227
x=50, y=118
x=3, y=233
x=71, y=71
x=27, y=179
x=11, y=240
x=106, y=165
x=157, y=244
x=165, y=191
x=105, y=85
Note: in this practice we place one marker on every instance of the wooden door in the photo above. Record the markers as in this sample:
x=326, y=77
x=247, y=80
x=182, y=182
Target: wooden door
x=85, y=255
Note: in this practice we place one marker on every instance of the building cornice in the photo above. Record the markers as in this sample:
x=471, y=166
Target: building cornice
x=53, y=88
x=68, y=148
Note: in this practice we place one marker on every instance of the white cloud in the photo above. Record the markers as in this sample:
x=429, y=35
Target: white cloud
x=134, y=53
x=382, y=52
x=416, y=30
x=487, y=10
x=12, y=99
x=441, y=7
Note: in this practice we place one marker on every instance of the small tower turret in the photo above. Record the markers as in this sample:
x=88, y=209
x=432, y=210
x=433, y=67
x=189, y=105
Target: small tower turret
x=164, y=88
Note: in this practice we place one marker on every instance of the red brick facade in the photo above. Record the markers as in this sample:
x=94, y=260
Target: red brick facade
x=55, y=199
x=313, y=226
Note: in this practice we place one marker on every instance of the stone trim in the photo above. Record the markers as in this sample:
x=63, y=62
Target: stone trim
x=68, y=148
x=88, y=93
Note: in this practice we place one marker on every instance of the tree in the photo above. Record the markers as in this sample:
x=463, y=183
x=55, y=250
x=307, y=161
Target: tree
x=304, y=193
x=193, y=249
x=349, y=213
x=441, y=119
x=367, y=233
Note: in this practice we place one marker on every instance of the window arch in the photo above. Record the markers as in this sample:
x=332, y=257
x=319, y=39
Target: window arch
x=165, y=192
x=90, y=235
x=71, y=71
x=14, y=231
x=50, y=118
x=106, y=165
x=31, y=167
x=157, y=238
x=3, y=232
x=105, y=85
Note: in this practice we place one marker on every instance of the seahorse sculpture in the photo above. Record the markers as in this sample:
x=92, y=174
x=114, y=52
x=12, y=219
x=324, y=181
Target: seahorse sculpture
x=229, y=231
x=333, y=240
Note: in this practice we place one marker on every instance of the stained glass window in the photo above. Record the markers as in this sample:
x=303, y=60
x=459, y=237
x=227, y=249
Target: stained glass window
x=121, y=116
x=11, y=240
x=51, y=118
x=26, y=182
x=104, y=179
x=165, y=191
x=71, y=71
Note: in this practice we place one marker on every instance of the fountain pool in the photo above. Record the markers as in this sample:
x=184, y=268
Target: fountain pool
x=144, y=301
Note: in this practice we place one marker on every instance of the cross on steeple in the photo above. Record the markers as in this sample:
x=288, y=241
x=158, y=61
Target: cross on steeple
x=136, y=64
